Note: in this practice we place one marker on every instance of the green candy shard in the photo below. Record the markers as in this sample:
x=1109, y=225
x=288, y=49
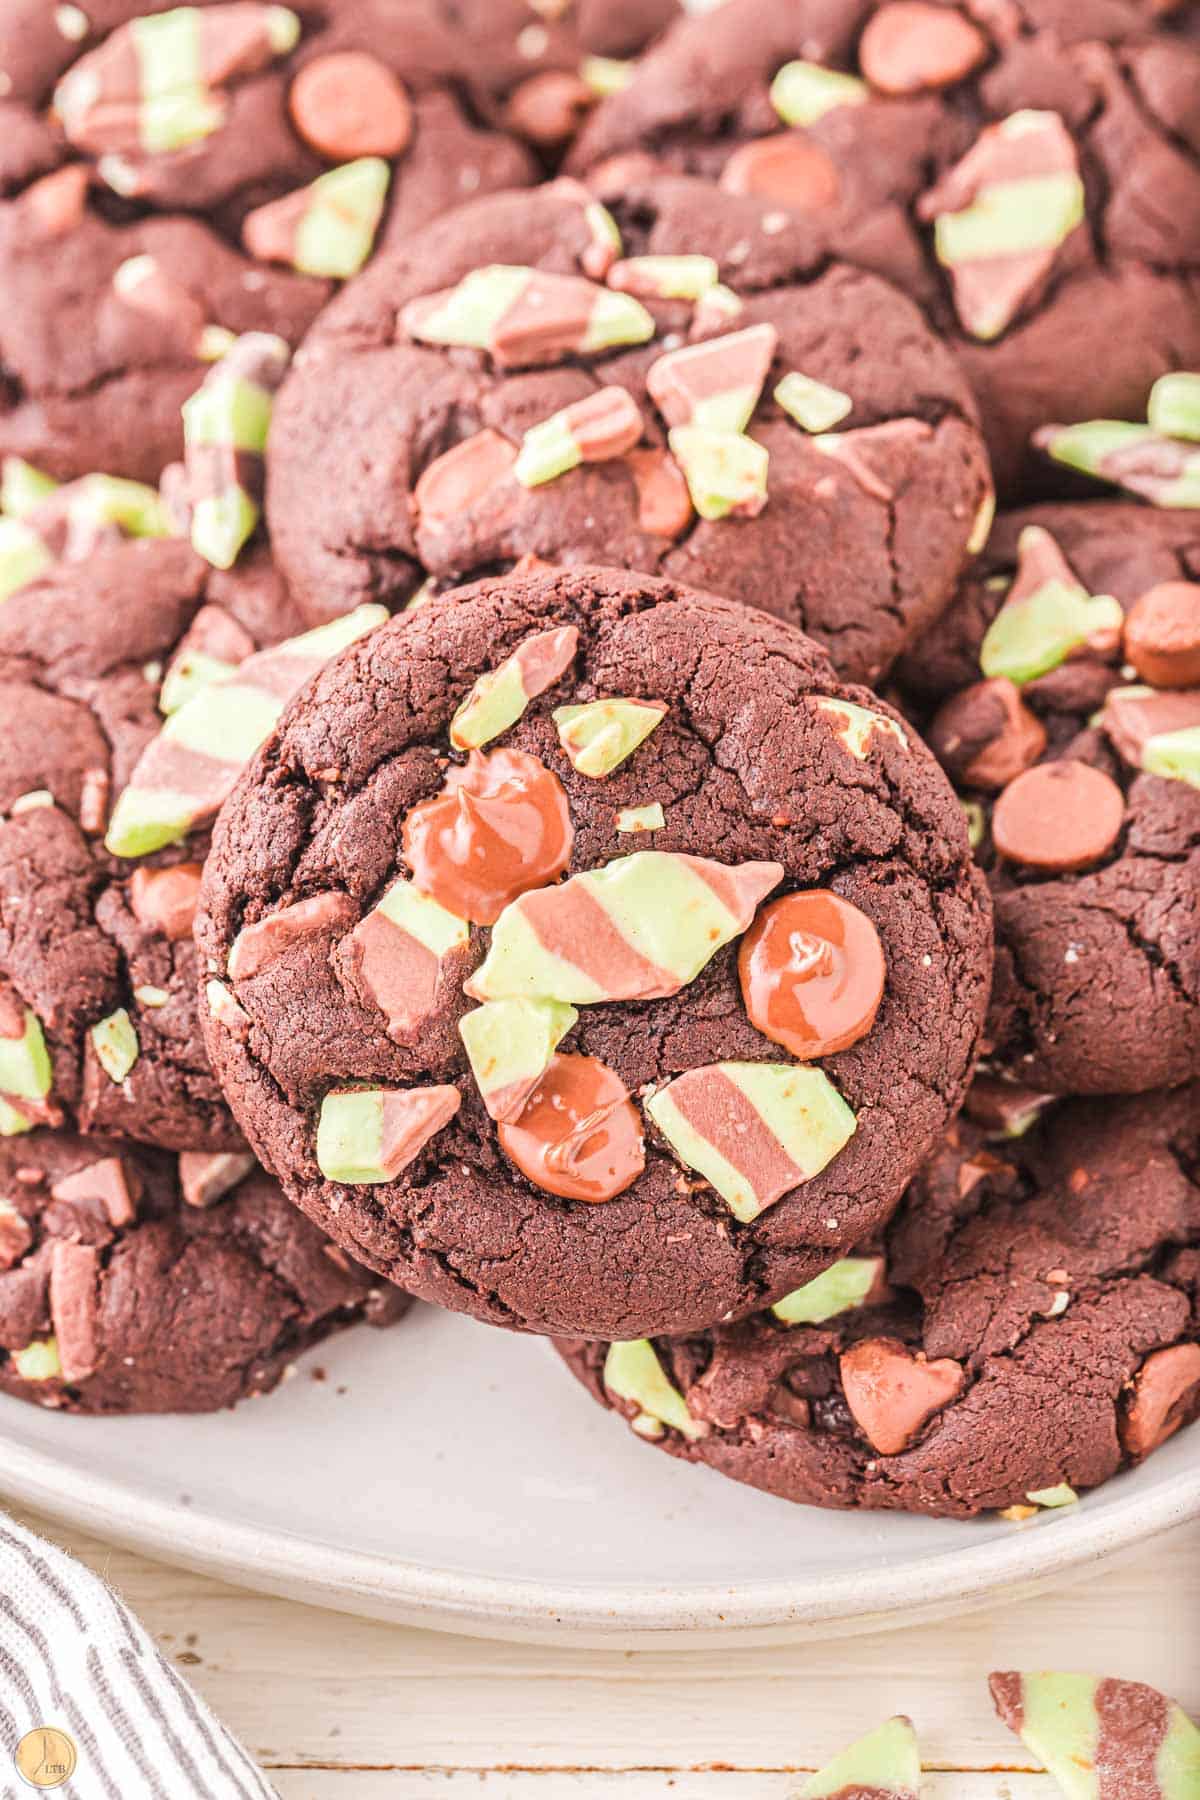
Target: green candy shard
x=1010, y=218
x=350, y=1137
x=837, y=1290
x=601, y=734
x=1061, y=1495
x=1163, y=470
x=116, y=1044
x=136, y=509
x=985, y=518
x=23, y=556
x=221, y=524
x=726, y=472
x=12, y=1122
x=641, y=818
x=176, y=108
x=1088, y=447
x=22, y=487
x=804, y=92
x=633, y=1372
x=509, y=1044
x=1174, y=755
x=606, y=75
x=146, y=819
x=666, y=277
x=336, y=234
x=976, y=822
x=25, y=1070
x=470, y=311
x=151, y=996
x=38, y=1361
x=1035, y=631
x=886, y=1762
x=233, y=413
x=1174, y=406
x=814, y=406
x=185, y=679
x=283, y=29
x=1056, y=1715
x=616, y=319
x=548, y=450
x=857, y=725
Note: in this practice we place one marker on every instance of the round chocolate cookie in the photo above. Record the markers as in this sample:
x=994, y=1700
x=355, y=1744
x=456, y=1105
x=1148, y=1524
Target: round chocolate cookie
x=99, y=871
x=1029, y=172
x=685, y=386
x=301, y=130
x=584, y=1103
x=1070, y=670
x=107, y=328
x=136, y=1282
x=1028, y=1326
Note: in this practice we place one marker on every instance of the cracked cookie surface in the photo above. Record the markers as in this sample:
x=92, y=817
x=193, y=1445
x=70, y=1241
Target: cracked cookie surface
x=1029, y=1325
x=746, y=765
x=865, y=163
x=83, y=935
x=132, y=1281
x=863, y=530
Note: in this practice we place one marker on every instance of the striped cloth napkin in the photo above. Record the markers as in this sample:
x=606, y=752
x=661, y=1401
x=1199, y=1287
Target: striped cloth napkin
x=74, y=1661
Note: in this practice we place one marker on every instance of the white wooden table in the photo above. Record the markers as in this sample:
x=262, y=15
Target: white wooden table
x=341, y=1709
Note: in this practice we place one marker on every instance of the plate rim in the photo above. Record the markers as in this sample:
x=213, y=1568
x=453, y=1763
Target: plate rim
x=371, y=1583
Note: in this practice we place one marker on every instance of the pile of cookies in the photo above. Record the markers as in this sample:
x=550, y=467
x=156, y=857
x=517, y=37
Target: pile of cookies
x=600, y=661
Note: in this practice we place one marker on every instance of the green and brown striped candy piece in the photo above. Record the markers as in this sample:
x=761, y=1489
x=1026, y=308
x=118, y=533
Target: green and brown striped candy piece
x=400, y=956
x=371, y=1134
x=1002, y=214
x=884, y=1765
x=715, y=384
x=599, y=735
x=639, y=928
x=1100, y=1738
x=754, y=1131
x=510, y=1044
x=185, y=773
x=1156, y=730
x=327, y=228
x=604, y=425
x=225, y=425
x=1047, y=615
x=527, y=317
x=1163, y=470
x=498, y=699
x=151, y=86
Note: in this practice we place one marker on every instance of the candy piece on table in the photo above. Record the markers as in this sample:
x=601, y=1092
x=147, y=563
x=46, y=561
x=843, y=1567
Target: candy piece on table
x=1162, y=634
x=579, y=1135
x=115, y=1043
x=839, y=1289
x=1060, y=816
x=912, y=46
x=1099, y=1736
x=604, y=425
x=716, y=383
x=206, y=1177
x=225, y=425
x=527, y=317
x=497, y=700
x=884, y=1765
x=753, y=1130
x=600, y=735
x=327, y=228
x=367, y=1135
x=803, y=92
x=1165, y=1396
x=639, y=928
x=1047, y=615
x=499, y=826
x=894, y=1393
x=510, y=1045
x=401, y=955
x=1157, y=730
x=212, y=648
x=348, y=104
x=1174, y=405
x=664, y=277
x=149, y=88
x=812, y=404
x=985, y=736
x=812, y=972
x=633, y=1372
x=726, y=473
x=1001, y=215
x=187, y=771
x=1163, y=470
x=858, y=728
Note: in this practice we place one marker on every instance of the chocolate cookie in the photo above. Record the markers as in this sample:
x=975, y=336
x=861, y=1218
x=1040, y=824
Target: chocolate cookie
x=645, y=1119
x=97, y=968
x=238, y=109
x=136, y=1282
x=1029, y=1326
x=1073, y=734
x=684, y=386
x=107, y=328
x=1029, y=172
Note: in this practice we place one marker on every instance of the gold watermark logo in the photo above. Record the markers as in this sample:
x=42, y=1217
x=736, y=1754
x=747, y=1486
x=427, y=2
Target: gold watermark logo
x=46, y=1758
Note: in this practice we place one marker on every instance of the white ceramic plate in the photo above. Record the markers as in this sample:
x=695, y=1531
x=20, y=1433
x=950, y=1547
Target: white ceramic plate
x=449, y=1475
